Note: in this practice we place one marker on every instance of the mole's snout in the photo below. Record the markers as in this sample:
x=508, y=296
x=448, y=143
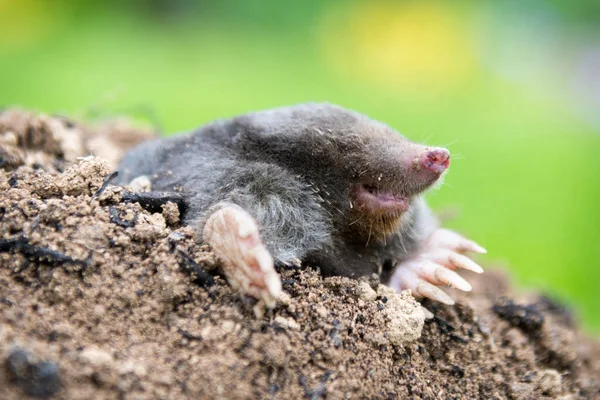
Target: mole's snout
x=435, y=159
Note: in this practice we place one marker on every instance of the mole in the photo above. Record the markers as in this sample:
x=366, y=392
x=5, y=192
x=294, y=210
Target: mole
x=315, y=184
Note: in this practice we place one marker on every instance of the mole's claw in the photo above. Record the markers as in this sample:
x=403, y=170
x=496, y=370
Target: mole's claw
x=426, y=289
x=428, y=314
x=452, y=260
x=469, y=245
x=415, y=274
x=459, y=261
x=435, y=264
x=429, y=271
x=450, y=278
x=247, y=264
x=451, y=240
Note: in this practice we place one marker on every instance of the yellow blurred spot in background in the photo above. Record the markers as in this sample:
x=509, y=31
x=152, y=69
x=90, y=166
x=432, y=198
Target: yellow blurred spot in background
x=24, y=22
x=398, y=45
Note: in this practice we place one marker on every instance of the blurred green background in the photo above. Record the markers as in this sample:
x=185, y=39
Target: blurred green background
x=511, y=87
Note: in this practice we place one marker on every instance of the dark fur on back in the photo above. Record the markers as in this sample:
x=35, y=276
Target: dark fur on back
x=293, y=169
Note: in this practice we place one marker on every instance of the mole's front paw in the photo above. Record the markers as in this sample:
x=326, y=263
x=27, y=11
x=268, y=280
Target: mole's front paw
x=435, y=265
x=234, y=237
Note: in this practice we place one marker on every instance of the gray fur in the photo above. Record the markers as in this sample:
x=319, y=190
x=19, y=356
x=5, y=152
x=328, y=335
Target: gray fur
x=292, y=168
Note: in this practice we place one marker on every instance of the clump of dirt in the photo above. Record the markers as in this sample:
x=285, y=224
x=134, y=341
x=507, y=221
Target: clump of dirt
x=51, y=142
x=102, y=298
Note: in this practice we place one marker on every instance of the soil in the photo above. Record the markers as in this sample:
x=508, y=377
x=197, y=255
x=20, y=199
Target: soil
x=102, y=299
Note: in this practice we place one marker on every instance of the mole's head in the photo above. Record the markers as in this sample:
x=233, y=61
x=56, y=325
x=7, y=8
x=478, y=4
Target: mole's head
x=384, y=190
x=359, y=166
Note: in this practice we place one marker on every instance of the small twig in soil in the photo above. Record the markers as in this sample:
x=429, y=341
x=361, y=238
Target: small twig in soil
x=458, y=339
x=107, y=182
x=445, y=326
x=153, y=201
x=197, y=273
x=41, y=254
x=187, y=335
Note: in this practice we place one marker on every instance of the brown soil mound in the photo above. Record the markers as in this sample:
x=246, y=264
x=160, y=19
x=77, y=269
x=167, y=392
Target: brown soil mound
x=101, y=298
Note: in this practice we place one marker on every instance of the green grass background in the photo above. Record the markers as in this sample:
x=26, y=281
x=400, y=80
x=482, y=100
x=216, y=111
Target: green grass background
x=524, y=181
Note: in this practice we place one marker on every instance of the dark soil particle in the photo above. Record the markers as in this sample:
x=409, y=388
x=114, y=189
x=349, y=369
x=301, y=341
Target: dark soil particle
x=121, y=302
x=37, y=379
x=527, y=317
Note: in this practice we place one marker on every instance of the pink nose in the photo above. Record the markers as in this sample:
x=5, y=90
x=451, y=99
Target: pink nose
x=436, y=160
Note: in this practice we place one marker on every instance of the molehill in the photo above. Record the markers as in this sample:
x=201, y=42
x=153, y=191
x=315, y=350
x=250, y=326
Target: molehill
x=105, y=295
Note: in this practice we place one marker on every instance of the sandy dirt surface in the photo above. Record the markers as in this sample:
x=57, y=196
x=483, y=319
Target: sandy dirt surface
x=104, y=298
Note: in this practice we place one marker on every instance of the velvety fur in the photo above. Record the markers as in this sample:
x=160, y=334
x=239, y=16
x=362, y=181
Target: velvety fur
x=293, y=170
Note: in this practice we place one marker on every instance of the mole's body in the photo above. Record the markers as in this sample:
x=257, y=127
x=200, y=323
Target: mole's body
x=313, y=183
